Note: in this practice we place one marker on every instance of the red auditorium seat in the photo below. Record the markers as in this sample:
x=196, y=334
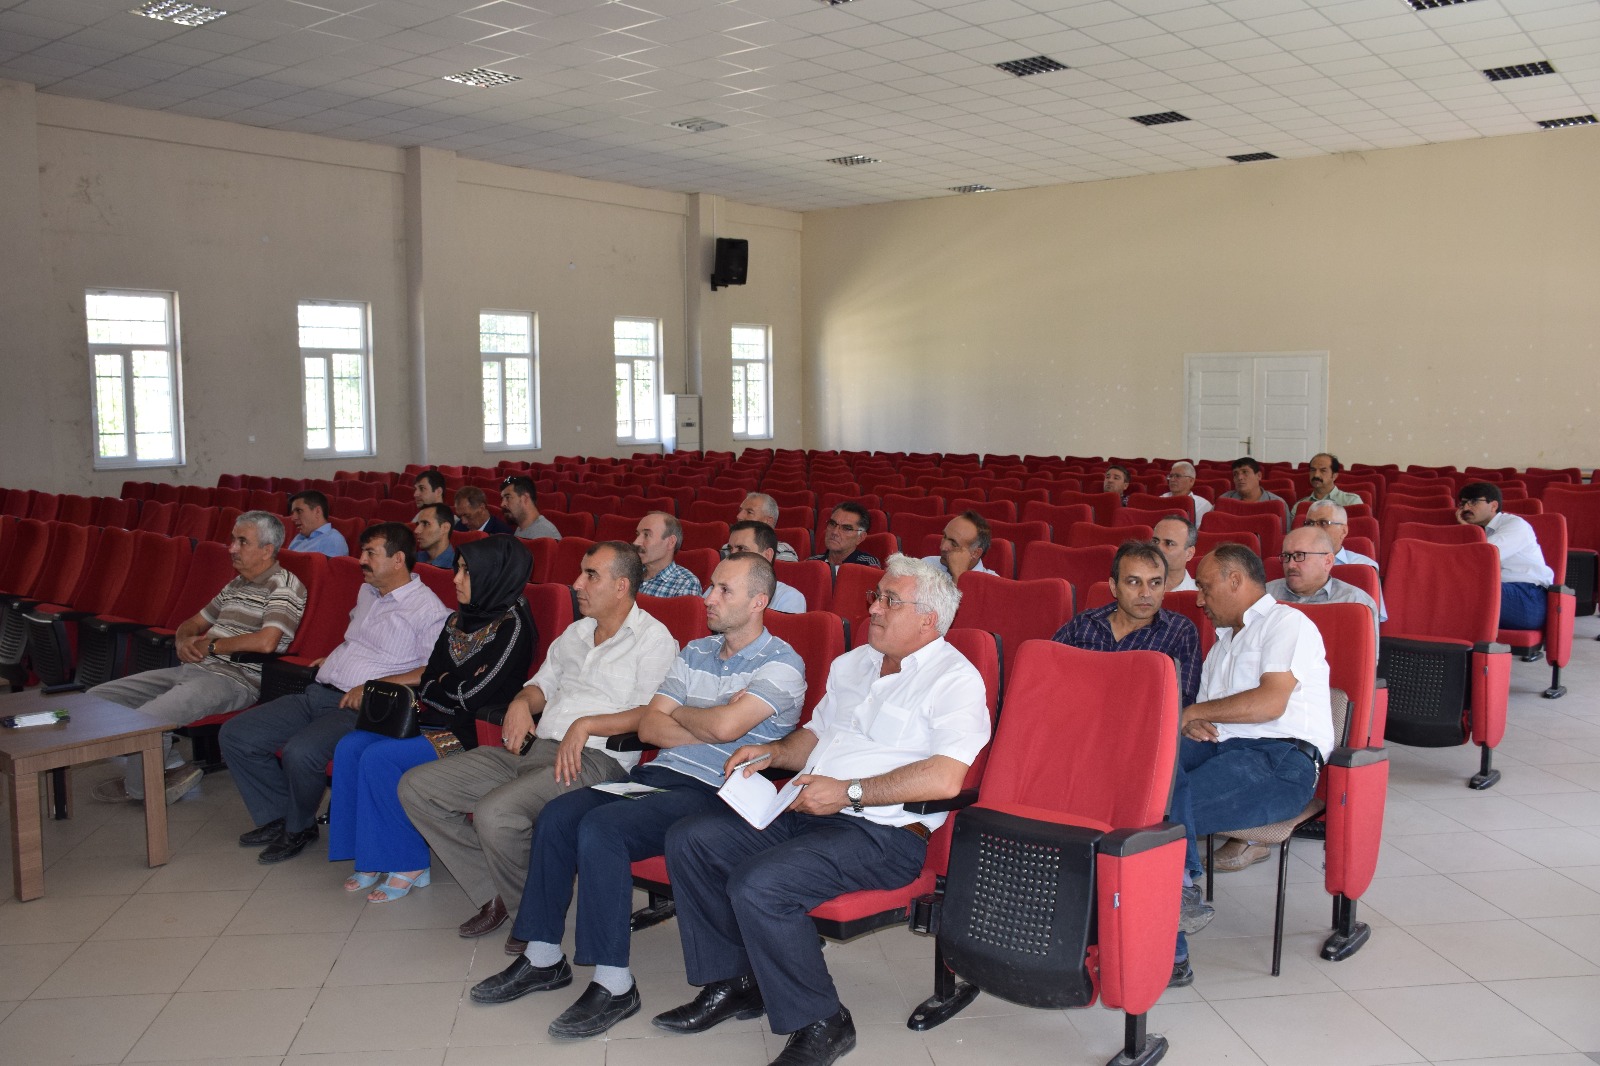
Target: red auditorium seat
x=1014, y=611
x=684, y=616
x=1555, y=639
x=156, y=576
x=1084, y=534
x=52, y=626
x=850, y=587
x=813, y=579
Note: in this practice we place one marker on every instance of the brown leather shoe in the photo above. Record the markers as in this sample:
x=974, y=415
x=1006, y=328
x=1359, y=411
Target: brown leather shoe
x=490, y=916
x=515, y=946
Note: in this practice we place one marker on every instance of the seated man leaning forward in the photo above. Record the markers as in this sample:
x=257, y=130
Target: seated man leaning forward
x=477, y=810
x=903, y=718
x=279, y=751
x=740, y=687
x=758, y=538
x=258, y=611
x=1524, y=575
x=1135, y=621
x=966, y=537
x=1254, y=743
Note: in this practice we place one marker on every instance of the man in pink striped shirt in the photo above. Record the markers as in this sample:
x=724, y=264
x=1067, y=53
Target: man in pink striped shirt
x=279, y=751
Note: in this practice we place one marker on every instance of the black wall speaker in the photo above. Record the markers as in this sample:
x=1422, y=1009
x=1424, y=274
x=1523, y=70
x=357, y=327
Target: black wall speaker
x=733, y=262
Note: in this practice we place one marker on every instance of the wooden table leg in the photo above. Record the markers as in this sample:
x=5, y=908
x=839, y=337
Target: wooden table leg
x=155, y=801
x=27, y=840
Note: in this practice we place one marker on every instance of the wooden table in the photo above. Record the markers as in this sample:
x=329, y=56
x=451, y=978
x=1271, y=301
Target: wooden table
x=98, y=730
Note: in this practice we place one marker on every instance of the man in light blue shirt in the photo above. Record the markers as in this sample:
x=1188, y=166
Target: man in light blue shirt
x=309, y=511
x=740, y=686
x=758, y=537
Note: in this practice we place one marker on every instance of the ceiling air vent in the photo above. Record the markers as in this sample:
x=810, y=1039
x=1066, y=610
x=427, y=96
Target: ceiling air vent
x=1022, y=68
x=1520, y=70
x=482, y=78
x=699, y=125
x=1559, y=123
x=1425, y=5
x=1252, y=157
x=1160, y=119
x=971, y=188
x=177, y=13
x=853, y=160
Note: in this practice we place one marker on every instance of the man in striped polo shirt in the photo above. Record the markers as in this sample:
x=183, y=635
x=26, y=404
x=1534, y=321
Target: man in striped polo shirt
x=257, y=611
x=740, y=686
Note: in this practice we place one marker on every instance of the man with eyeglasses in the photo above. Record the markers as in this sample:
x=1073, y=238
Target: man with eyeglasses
x=1334, y=520
x=1308, y=559
x=1180, y=482
x=758, y=538
x=903, y=718
x=846, y=526
x=1254, y=743
x=1324, y=471
x=1524, y=575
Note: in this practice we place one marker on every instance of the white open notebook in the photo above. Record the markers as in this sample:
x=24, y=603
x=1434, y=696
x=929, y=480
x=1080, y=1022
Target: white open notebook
x=758, y=800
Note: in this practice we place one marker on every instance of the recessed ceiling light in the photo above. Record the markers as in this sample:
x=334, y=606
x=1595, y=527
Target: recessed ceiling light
x=1252, y=157
x=1161, y=119
x=482, y=77
x=1022, y=68
x=698, y=125
x=178, y=13
x=1575, y=120
x=853, y=160
x=1424, y=5
x=1520, y=70
x=971, y=188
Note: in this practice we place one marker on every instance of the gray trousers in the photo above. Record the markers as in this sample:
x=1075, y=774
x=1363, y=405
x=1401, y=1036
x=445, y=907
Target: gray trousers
x=176, y=696
x=504, y=794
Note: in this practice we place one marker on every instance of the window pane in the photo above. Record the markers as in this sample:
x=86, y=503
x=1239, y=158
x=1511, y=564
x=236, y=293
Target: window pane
x=635, y=337
x=492, y=431
x=152, y=407
x=738, y=399
x=112, y=428
x=755, y=400
x=327, y=326
x=644, y=399
x=349, y=413
x=749, y=342
x=505, y=333
x=316, y=371
x=624, y=400
x=126, y=319
x=519, y=402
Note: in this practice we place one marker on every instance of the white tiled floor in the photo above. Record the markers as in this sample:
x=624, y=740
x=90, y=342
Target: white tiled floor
x=1485, y=947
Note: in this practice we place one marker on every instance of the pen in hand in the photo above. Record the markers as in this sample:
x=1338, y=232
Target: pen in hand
x=748, y=763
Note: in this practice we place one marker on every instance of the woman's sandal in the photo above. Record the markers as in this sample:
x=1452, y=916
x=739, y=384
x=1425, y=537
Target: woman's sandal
x=360, y=881
x=388, y=892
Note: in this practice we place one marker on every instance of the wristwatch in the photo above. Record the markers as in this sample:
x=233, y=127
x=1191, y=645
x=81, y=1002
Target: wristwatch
x=211, y=648
x=853, y=794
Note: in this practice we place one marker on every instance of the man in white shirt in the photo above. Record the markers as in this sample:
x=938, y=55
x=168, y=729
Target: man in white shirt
x=1175, y=536
x=758, y=537
x=1524, y=575
x=1180, y=482
x=903, y=718
x=612, y=659
x=1254, y=742
x=966, y=537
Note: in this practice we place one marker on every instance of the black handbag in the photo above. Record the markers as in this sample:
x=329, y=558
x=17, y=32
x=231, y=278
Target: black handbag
x=389, y=710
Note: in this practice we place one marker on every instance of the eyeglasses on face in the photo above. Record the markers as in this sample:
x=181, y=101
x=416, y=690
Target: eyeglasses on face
x=889, y=601
x=1320, y=523
x=1299, y=557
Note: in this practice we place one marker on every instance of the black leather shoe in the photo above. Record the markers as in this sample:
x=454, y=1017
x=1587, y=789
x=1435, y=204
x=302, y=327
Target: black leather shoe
x=820, y=1043
x=261, y=835
x=490, y=916
x=1182, y=975
x=596, y=1011
x=287, y=845
x=717, y=1002
x=520, y=978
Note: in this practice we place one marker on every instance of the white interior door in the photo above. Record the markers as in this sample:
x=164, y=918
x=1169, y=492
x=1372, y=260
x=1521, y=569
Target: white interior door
x=1270, y=405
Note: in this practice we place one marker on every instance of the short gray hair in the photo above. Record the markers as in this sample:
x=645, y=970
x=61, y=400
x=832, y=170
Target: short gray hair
x=765, y=504
x=268, y=527
x=936, y=590
x=1184, y=467
x=1339, y=513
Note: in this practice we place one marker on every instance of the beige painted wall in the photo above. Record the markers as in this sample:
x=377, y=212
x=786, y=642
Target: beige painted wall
x=1453, y=285
x=242, y=223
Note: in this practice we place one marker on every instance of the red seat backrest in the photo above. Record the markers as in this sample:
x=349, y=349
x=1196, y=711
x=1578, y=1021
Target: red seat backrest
x=331, y=587
x=1139, y=516
x=1103, y=503
x=1084, y=534
x=573, y=523
x=1267, y=528
x=818, y=638
x=1080, y=566
x=155, y=576
x=1015, y=611
x=64, y=561
x=1449, y=591
x=1460, y=533
x=1350, y=642
x=210, y=568
x=708, y=535
x=104, y=573
x=1001, y=556
x=850, y=587
x=440, y=580
x=552, y=608
x=1581, y=508
x=813, y=579
x=27, y=543
x=1121, y=711
x=684, y=616
x=194, y=521
x=700, y=562
x=911, y=528
x=567, y=563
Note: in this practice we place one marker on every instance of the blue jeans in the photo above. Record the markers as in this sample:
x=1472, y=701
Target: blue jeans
x=743, y=896
x=304, y=728
x=1236, y=784
x=1522, y=606
x=597, y=836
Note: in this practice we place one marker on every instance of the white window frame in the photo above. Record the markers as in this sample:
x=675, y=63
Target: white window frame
x=132, y=420
x=633, y=363
x=740, y=380
x=326, y=355
x=499, y=361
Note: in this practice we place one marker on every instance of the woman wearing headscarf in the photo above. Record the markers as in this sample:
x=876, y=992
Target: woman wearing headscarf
x=480, y=661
